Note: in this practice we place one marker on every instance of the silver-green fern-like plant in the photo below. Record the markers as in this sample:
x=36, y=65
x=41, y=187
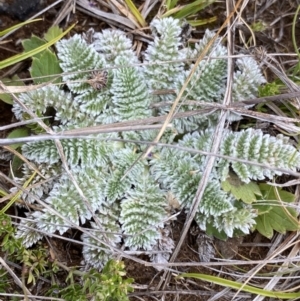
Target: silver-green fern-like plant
x=125, y=197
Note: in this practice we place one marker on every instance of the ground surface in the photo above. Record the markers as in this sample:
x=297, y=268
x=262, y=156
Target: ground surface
x=276, y=38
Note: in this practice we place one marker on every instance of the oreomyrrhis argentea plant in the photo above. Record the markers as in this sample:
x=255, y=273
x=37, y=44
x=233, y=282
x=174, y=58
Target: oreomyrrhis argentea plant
x=126, y=195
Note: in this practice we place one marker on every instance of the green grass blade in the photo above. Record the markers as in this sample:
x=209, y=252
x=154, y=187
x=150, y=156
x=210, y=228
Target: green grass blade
x=172, y=11
x=3, y=193
x=136, y=13
x=22, y=56
x=171, y=4
x=294, y=31
x=192, y=8
x=16, y=197
x=5, y=31
x=241, y=286
x=195, y=23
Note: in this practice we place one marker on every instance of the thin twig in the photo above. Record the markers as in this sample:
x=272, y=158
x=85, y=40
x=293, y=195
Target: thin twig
x=16, y=279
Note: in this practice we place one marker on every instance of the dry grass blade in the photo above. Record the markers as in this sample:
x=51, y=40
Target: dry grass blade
x=16, y=279
x=252, y=272
x=183, y=88
x=62, y=156
x=197, y=293
x=185, y=149
x=70, y=223
x=241, y=103
x=147, y=7
x=126, y=12
x=116, y=14
x=36, y=50
x=65, y=10
x=277, y=252
x=15, y=198
x=79, y=133
x=20, y=89
x=16, y=153
x=108, y=17
x=39, y=121
x=215, y=144
x=31, y=297
x=12, y=194
x=65, y=165
x=248, y=288
x=275, y=67
x=293, y=253
x=33, y=17
x=17, y=124
x=225, y=262
x=238, y=109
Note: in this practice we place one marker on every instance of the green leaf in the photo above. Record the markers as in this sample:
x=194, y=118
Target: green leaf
x=18, y=133
x=16, y=167
x=262, y=208
x=273, y=214
x=52, y=33
x=33, y=43
x=241, y=286
x=14, y=81
x=46, y=64
x=20, y=57
x=269, y=89
x=5, y=239
x=270, y=192
x=241, y=191
x=263, y=226
x=283, y=219
x=30, y=279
